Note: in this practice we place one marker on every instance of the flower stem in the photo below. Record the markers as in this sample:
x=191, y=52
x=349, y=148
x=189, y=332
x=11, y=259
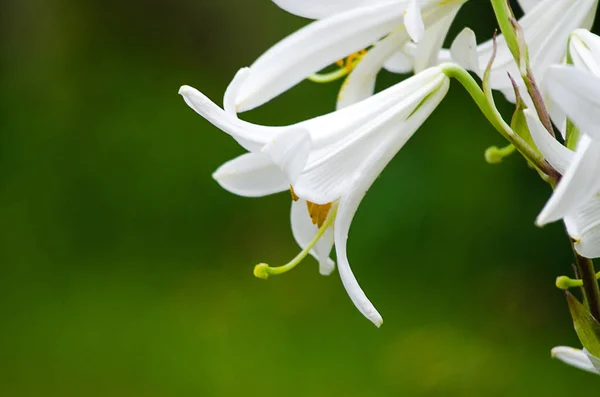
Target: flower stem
x=590, y=285
x=503, y=16
x=491, y=113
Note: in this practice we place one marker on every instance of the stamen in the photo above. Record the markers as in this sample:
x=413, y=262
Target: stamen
x=346, y=66
x=263, y=270
x=495, y=155
x=564, y=282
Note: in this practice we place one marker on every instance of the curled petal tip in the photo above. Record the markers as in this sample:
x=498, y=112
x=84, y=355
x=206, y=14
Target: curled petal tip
x=326, y=267
x=185, y=90
x=378, y=321
x=217, y=174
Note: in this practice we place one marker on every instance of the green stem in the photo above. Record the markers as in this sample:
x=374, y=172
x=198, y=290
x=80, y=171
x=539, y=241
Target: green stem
x=503, y=16
x=491, y=113
x=590, y=285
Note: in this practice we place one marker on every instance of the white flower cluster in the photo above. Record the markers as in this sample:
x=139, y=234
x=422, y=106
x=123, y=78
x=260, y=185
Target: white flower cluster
x=329, y=162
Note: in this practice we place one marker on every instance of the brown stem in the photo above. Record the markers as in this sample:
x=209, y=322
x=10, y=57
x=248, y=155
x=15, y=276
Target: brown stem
x=590, y=284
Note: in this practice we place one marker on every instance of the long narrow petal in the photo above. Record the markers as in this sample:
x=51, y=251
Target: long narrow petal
x=376, y=160
x=577, y=185
x=250, y=136
x=575, y=357
x=346, y=211
x=553, y=151
x=414, y=21
x=577, y=92
x=464, y=51
x=314, y=47
x=304, y=231
x=251, y=175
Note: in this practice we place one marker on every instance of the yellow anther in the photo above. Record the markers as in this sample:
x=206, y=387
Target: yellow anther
x=318, y=212
x=294, y=196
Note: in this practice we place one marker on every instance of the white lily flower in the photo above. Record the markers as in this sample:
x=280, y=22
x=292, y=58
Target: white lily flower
x=581, y=359
x=354, y=26
x=330, y=162
x=546, y=27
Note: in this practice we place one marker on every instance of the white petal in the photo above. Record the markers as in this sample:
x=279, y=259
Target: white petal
x=314, y=47
x=577, y=185
x=330, y=170
x=289, y=150
x=553, y=151
x=575, y=357
x=584, y=48
x=251, y=175
x=464, y=51
x=399, y=62
x=438, y=23
x=592, y=43
x=374, y=163
x=414, y=22
x=527, y=5
x=304, y=231
x=577, y=92
x=346, y=211
x=233, y=89
x=317, y=9
x=360, y=84
x=583, y=225
x=250, y=136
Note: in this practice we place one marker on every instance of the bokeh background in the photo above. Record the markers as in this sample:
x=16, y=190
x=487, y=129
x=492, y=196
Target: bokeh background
x=126, y=271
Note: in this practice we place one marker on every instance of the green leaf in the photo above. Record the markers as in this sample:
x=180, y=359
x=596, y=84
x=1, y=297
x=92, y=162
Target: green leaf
x=586, y=326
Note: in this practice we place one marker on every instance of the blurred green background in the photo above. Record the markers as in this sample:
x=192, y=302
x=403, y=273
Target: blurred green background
x=125, y=270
